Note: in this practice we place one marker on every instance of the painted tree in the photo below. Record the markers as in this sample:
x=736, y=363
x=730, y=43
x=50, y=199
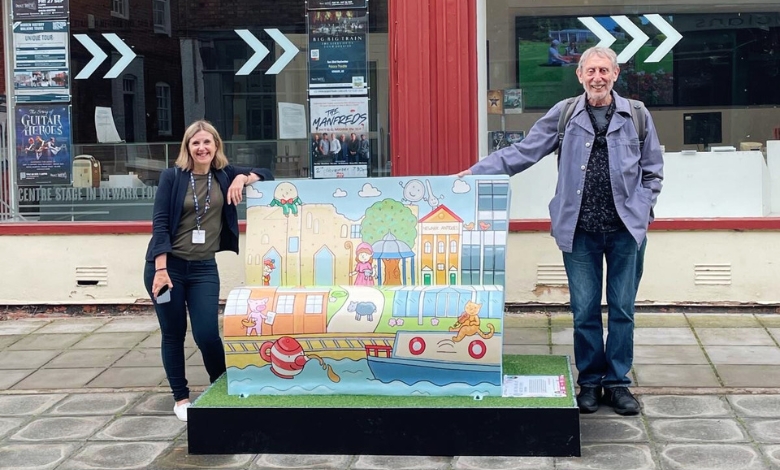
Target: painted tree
x=389, y=216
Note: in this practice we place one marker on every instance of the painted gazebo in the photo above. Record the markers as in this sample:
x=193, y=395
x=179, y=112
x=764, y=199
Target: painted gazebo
x=391, y=248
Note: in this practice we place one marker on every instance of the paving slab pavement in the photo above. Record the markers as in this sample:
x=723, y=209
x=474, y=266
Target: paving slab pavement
x=89, y=393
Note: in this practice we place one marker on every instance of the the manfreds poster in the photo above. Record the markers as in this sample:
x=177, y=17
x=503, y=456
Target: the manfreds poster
x=339, y=115
x=338, y=118
x=43, y=144
x=337, y=52
x=40, y=9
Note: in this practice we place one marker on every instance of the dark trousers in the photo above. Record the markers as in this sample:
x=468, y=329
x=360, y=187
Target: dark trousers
x=195, y=288
x=599, y=364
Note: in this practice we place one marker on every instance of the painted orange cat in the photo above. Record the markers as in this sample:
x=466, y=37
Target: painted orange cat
x=468, y=323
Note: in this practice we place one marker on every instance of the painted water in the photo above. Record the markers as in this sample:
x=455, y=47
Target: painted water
x=353, y=378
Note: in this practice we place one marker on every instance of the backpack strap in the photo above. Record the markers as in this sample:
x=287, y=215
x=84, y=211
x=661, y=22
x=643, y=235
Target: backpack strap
x=563, y=120
x=638, y=117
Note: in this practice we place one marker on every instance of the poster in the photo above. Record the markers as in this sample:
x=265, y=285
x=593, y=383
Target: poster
x=105, y=127
x=40, y=9
x=339, y=115
x=41, y=73
x=495, y=102
x=292, y=121
x=513, y=101
x=500, y=139
x=43, y=144
x=337, y=52
x=333, y=4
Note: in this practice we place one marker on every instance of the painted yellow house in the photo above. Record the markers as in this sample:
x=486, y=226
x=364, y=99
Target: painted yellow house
x=439, y=247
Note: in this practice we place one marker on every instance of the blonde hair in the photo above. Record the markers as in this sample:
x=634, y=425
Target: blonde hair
x=184, y=160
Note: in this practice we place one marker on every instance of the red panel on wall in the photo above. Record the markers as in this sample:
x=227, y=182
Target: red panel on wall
x=433, y=95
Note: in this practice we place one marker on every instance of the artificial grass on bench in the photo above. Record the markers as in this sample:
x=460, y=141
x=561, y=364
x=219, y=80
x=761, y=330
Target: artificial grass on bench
x=216, y=396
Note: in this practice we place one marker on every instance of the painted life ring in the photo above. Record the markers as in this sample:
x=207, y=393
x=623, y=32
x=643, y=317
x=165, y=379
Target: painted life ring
x=416, y=346
x=477, y=349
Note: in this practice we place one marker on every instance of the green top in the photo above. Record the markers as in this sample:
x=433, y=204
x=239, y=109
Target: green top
x=211, y=221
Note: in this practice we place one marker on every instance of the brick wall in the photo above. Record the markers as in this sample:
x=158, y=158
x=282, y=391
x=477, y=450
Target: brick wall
x=161, y=59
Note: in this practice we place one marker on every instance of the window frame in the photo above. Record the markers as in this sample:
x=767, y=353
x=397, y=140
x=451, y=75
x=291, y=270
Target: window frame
x=165, y=26
x=120, y=9
x=168, y=130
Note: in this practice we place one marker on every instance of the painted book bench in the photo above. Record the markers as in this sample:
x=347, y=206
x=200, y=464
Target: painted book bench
x=360, y=292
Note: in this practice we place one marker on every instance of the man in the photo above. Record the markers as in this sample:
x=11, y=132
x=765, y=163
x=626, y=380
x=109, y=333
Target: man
x=344, y=148
x=353, y=148
x=315, y=148
x=365, y=148
x=553, y=56
x=325, y=147
x=607, y=187
x=335, y=149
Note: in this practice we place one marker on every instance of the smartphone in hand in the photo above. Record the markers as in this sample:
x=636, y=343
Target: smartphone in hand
x=164, y=295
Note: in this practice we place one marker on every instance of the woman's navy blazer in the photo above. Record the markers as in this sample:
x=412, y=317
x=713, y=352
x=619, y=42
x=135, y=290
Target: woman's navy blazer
x=169, y=201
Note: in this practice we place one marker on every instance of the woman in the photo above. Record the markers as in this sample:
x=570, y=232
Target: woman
x=194, y=217
x=364, y=265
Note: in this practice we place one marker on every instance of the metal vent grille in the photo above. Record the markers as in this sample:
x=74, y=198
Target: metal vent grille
x=712, y=274
x=91, y=276
x=551, y=275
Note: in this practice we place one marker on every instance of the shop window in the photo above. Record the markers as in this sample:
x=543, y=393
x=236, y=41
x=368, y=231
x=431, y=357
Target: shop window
x=721, y=60
x=120, y=8
x=127, y=128
x=162, y=16
x=163, y=108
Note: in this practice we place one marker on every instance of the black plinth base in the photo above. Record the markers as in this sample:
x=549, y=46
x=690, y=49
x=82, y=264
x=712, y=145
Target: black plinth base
x=511, y=431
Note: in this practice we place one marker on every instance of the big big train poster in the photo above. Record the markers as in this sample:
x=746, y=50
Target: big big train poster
x=43, y=144
x=337, y=52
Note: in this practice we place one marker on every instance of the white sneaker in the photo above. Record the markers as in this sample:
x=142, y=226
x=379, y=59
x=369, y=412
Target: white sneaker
x=181, y=411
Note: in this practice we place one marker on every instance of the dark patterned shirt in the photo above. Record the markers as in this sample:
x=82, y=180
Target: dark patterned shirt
x=598, y=213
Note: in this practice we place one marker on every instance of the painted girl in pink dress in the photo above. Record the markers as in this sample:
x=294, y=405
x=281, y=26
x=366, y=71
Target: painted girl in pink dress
x=364, y=267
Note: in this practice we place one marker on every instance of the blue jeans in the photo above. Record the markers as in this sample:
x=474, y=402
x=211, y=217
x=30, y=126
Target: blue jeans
x=599, y=365
x=195, y=288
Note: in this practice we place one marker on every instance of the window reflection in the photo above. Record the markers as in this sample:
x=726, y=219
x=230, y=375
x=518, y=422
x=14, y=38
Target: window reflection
x=183, y=66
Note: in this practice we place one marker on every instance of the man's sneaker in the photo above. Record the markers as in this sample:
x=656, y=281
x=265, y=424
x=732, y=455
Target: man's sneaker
x=181, y=411
x=622, y=401
x=588, y=398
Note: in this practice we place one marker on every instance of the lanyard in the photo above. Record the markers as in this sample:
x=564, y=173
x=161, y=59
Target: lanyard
x=195, y=198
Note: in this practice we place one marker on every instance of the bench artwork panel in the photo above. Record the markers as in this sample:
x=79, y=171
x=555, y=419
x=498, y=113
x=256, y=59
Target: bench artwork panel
x=390, y=286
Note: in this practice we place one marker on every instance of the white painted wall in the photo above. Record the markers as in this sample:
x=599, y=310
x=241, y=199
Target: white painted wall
x=42, y=269
x=45, y=268
x=704, y=185
x=669, y=274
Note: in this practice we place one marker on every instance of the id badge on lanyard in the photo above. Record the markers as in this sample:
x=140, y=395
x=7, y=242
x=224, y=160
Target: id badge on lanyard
x=198, y=235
